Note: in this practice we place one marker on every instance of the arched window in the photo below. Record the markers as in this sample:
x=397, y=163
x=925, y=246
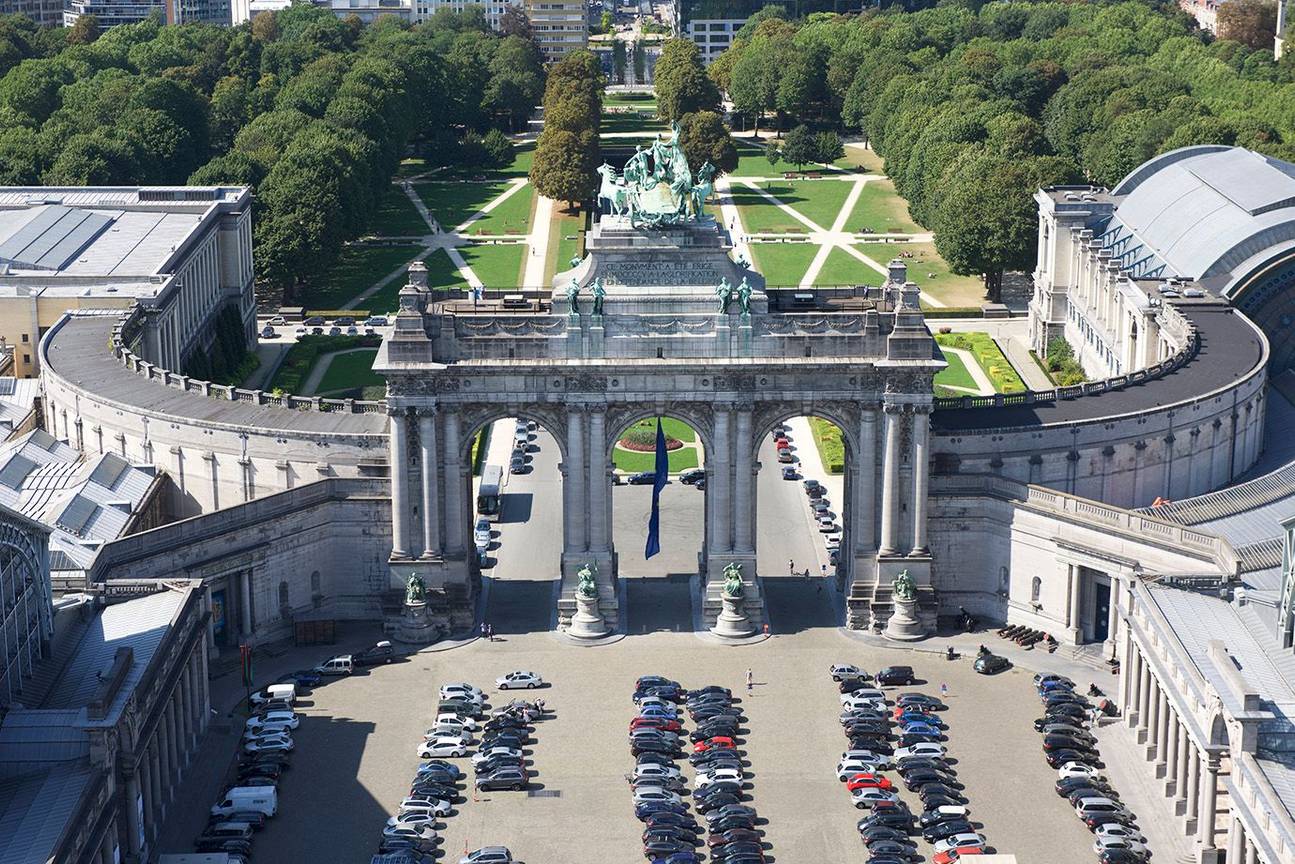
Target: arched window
x=314, y=582
x=1036, y=585
x=284, y=604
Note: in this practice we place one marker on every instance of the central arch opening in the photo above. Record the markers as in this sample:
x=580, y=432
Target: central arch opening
x=658, y=590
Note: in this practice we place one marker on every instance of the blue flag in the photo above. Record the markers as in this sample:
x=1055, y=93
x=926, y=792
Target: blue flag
x=658, y=483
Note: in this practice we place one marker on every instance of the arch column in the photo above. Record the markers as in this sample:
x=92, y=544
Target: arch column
x=599, y=533
x=431, y=483
x=399, y=455
x=743, y=469
x=455, y=492
x=921, y=459
x=721, y=498
x=863, y=502
x=574, y=484
x=890, y=481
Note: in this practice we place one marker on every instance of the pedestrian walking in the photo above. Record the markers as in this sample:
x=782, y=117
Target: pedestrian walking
x=824, y=569
x=490, y=632
x=944, y=690
x=484, y=630
x=806, y=574
x=750, y=680
x=766, y=628
x=791, y=567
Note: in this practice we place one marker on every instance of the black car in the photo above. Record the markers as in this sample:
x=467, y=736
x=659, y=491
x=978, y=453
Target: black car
x=728, y=823
x=1060, y=741
x=1121, y=856
x=908, y=739
x=716, y=801
x=378, y=654
x=732, y=810
x=893, y=676
x=920, y=701
x=654, y=759
x=1078, y=794
x=718, y=756
x=892, y=847
x=1086, y=787
x=1057, y=758
x=669, y=832
x=268, y=770
x=931, y=802
x=692, y=475
x=681, y=820
x=647, y=808
x=439, y=791
x=734, y=835
x=708, y=711
x=738, y=847
x=917, y=779
x=850, y=685
x=891, y=817
x=1051, y=719
x=642, y=478
x=664, y=848
x=1065, y=697
x=871, y=742
x=934, y=816
x=639, y=747
x=671, y=692
x=230, y=845
x=991, y=664
x=934, y=833
x=654, y=681
x=882, y=832
x=934, y=789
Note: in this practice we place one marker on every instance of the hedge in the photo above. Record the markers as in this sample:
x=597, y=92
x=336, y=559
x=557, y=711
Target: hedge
x=827, y=437
x=990, y=357
x=301, y=358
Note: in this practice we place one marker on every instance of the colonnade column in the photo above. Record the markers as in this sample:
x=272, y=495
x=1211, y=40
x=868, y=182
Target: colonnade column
x=742, y=467
x=1129, y=673
x=155, y=783
x=1252, y=852
x=1183, y=765
x=454, y=514
x=921, y=469
x=1171, y=749
x=574, y=516
x=399, y=454
x=1205, y=827
x=132, y=811
x=108, y=843
x=1236, y=840
x=1153, y=720
x=245, y=601
x=722, y=508
x=1075, y=586
x=173, y=750
x=1193, y=780
x=1162, y=736
x=431, y=483
x=1113, y=610
x=864, y=500
x=599, y=536
x=1144, y=693
x=890, y=481
x=185, y=691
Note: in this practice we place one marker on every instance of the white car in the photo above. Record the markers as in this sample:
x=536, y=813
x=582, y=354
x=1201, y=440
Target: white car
x=849, y=767
x=273, y=718
x=418, y=832
x=925, y=750
x=450, y=726
x=481, y=533
x=1078, y=769
x=867, y=756
x=278, y=743
x=658, y=702
x=265, y=733
x=841, y=671
x=867, y=796
x=1115, y=829
x=482, y=756
x=442, y=734
x=461, y=690
x=655, y=793
x=960, y=841
x=442, y=747
x=650, y=770
x=519, y=680
x=461, y=720
x=488, y=855
x=414, y=818
x=868, y=694
x=719, y=775
x=425, y=804
x=851, y=701
x=1102, y=842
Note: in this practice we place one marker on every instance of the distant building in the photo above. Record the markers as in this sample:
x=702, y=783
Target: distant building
x=113, y=12
x=559, y=26
x=714, y=35
x=92, y=756
x=46, y=13
x=369, y=11
x=184, y=254
x=26, y=601
x=1206, y=13
x=494, y=9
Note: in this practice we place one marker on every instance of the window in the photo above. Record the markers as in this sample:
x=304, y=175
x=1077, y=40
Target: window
x=1036, y=585
x=26, y=358
x=284, y=603
x=26, y=337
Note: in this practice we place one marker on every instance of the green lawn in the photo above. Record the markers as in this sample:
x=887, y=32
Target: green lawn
x=496, y=266
x=1002, y=374
x=751, y=161
x=956, y=375
x=930, y=272
x=880, y=209
x=454, y=203
x=831, y=449
x=842, y=268
x=648, y=102
x=676, y=429
x=817, y=200
x=867, y=160
x=783, y=264
x=631, y=462
x=760, y=216
x=410, y=167
x=357, y=268
x=397, y=216
x=523, y=155
x=348, y=375
x=513, y=216
x=644, y=120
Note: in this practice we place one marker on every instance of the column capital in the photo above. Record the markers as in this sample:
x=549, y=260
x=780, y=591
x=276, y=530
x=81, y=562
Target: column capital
x=868, y=410
x=426, y=411
x=893, y=407
x=922, y=408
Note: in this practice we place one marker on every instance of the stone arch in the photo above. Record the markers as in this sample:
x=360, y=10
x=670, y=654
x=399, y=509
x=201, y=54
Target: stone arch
x=1218, y=727
x=472, y=419
x=618, y=421
x=843, y=417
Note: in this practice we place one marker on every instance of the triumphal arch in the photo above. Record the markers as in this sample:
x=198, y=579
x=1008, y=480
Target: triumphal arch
x=658, y=318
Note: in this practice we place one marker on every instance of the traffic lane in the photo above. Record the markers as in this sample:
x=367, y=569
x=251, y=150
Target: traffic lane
x=682, y=529
x=785, y=530
x=529, y=542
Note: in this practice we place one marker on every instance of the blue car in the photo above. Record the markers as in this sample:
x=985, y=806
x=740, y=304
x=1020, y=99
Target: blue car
x=303, y=678
x=920, y=728
x=682, y=858
x=1053, y=684
x=919, y=717
x=663, y=711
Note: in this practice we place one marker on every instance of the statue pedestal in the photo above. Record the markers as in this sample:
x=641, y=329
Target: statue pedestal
x=416, y=626
x=586, y=623
x=903, y=625
x=732, y=621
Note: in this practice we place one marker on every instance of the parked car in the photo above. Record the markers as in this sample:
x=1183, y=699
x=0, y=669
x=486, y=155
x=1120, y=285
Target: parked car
x=276, y=718
x=896, y=675
x=692, y=476
x=504, y=778
x=991, y=664
x=789, y=472
x=381, y=652
x=281, y=743
x=488, y=855
x=519, y=679
x=447, y=746
x=842, y=671
x=642, y=478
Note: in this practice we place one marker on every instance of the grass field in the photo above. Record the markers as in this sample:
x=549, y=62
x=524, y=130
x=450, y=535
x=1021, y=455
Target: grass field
x=930, y=272
x=672, y=428
x=783, y=264
x=632, y=462
x=645, y=120
x=356, y=269
x=817, y=200
x=751, y=161
x=956, y=374
x=513, y=216
x=760, y=216
x=411, y=167
x=868, y=160
x=453, y=203
x=1002, y=374
x=880, y=209
x=496, y=266
x=842, y=268
x=397, y=216
x=564, y=241
x=348, y=374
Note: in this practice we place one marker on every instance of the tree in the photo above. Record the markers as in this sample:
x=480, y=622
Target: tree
x=605, y=22
x=1250, y=22
x=515, y=23
x=618, y=61
x=800, y=148
x=682, y=85
x=265, y=27
x=499, y=150
x=565, y=165
x=84, y=31
x=640, y=62
x=772, y=154
x=516, y=81
x=704, y=138
x=828, y=147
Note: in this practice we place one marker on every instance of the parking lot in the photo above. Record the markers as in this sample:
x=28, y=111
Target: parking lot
x=355, y=751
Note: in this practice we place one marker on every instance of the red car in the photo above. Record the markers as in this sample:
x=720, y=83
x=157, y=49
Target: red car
x=868, y=781
x=655, y=723
x=719, y=742
x=954, y=855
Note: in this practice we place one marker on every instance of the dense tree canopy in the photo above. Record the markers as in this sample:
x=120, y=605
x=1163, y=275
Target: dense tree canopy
x=974, y=106
x=566, y=154
x=681, y=84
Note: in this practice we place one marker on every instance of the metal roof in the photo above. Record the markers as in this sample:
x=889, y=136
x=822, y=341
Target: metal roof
x=35, y=809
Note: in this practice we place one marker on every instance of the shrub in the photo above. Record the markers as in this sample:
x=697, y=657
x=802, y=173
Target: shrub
x=1065, y=370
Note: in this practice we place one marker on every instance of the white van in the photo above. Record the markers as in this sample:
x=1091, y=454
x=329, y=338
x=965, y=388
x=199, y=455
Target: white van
x=1092, y=806
x=262, y=799
x=336, y=666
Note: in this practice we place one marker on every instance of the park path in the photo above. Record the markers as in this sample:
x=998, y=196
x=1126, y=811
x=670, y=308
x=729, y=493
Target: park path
x=320, y=369
x=838, y=225
x=729, y=216
x=984, y=386
x=538, y=240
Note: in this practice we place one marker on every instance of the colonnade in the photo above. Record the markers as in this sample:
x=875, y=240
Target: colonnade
x=433, y=529
x=151, y=771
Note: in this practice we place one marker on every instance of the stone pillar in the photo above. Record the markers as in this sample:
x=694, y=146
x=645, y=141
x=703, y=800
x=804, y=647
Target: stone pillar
x=1205, y=827
x=399, y=453
x=133, y=793
x=1113, y=611
x=921, y=475
x=1252, y=851
x=575, y=516
x=155, y=786
x=245, y=601
x=743, y=469
x=1162, y=734
x=1193, y=781
x=1073, y=613
x=864, y=500
x=890, y=482
x=454, y=515
x=1153, y=721
x=185, y=720
x=108, y=844
x=1128, y=675
x=204, y=692
x=1183, y=764
x=1144, y=693
x=1236, y=840
x=165, y=763
x=599, y=535
x=431, y=483
x=1171, y=751
x=722, y=510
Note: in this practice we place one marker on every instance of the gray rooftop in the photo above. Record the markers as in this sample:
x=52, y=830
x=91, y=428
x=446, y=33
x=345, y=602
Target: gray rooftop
x=77, y=351
x=34, y=811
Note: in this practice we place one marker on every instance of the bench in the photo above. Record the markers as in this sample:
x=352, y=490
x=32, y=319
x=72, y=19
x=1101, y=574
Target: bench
x=514, y=301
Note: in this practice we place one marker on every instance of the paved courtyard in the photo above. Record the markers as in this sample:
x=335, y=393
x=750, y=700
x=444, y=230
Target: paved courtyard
x=356, y=751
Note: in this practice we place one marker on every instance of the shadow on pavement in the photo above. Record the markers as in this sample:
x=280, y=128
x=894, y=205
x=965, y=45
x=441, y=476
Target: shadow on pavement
x=519, y=606
x=793, y=603
x=659, y=604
